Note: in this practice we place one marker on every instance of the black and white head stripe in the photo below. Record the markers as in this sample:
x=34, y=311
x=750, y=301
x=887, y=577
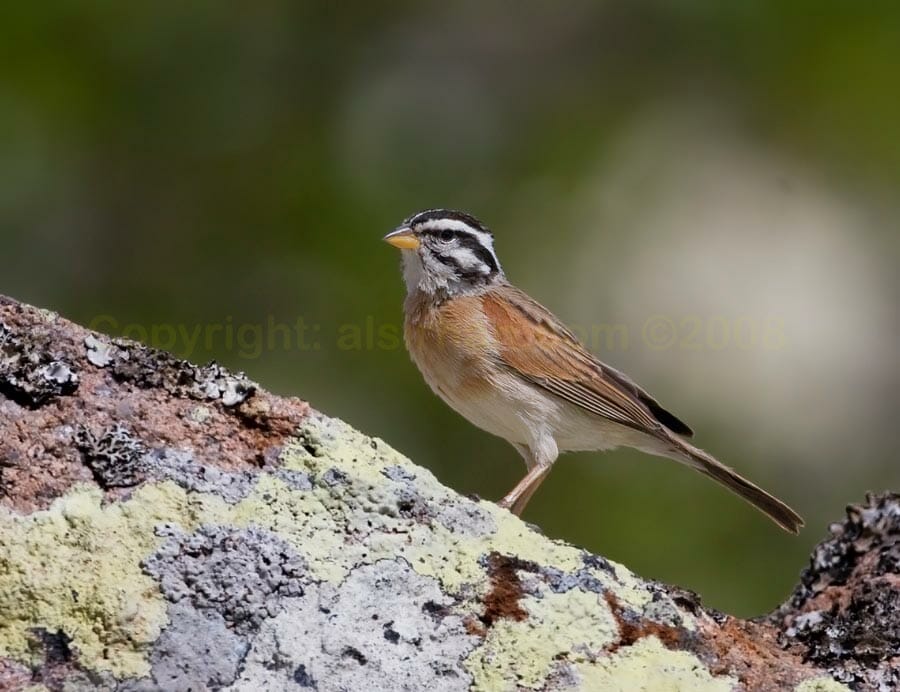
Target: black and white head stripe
x=454, y=219
x=469, y=245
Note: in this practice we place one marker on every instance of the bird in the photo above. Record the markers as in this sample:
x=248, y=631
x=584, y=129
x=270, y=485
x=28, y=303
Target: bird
x=510, y=367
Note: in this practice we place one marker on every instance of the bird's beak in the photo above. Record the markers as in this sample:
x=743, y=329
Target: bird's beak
x=402, y=238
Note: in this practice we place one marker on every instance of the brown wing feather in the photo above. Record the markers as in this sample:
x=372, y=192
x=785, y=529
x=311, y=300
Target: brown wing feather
x=538, y=346
x=667, y=418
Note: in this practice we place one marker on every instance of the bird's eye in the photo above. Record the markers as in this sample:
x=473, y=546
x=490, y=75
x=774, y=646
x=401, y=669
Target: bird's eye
x=446, y=236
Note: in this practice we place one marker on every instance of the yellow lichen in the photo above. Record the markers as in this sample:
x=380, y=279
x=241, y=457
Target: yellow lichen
x=521, y=653
x=75, y=567
x=648, y=666
x=301, y=518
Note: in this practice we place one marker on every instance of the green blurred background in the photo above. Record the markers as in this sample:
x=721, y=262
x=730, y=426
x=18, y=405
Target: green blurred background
x=727, y=173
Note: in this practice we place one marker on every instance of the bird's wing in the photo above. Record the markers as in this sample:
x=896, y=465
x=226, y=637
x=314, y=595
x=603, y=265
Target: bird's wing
x=536, y=345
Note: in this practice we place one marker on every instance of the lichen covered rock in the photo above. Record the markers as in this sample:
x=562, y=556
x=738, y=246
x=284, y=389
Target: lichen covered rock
x=171, y=527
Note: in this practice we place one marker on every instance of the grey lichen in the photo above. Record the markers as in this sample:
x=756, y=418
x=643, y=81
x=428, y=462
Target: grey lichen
x=180, y=467
x=31, y=371
x=197, y=651
x=463, y=518
x=119, y=459
x=114, y=456
x=846, y=609
x=333, y=477
x=242, y=574
x=385, y=627
x=99, y=352
x=295, y=480
x=150, y=368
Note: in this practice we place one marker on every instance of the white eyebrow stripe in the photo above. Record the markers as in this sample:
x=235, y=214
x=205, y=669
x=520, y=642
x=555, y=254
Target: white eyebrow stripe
x=456, y=225
x=450, y=224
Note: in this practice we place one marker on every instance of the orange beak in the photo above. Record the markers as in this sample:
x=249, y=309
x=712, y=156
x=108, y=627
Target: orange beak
x=402, y=238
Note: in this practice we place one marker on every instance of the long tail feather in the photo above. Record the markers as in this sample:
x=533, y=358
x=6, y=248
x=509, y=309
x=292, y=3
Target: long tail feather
x=769, y=505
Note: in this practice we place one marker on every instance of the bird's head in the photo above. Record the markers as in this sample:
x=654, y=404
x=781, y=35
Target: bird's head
x=446, y=252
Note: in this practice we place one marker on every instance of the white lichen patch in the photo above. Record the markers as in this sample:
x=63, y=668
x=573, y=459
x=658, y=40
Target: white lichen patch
x=379, y=629
x=648, y=666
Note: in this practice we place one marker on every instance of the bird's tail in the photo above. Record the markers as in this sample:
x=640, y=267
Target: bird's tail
x=709, y=466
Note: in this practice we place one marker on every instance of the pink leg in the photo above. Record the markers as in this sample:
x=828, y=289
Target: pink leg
x=517, y=498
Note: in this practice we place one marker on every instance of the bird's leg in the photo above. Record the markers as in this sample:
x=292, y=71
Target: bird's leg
x=517, y=498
